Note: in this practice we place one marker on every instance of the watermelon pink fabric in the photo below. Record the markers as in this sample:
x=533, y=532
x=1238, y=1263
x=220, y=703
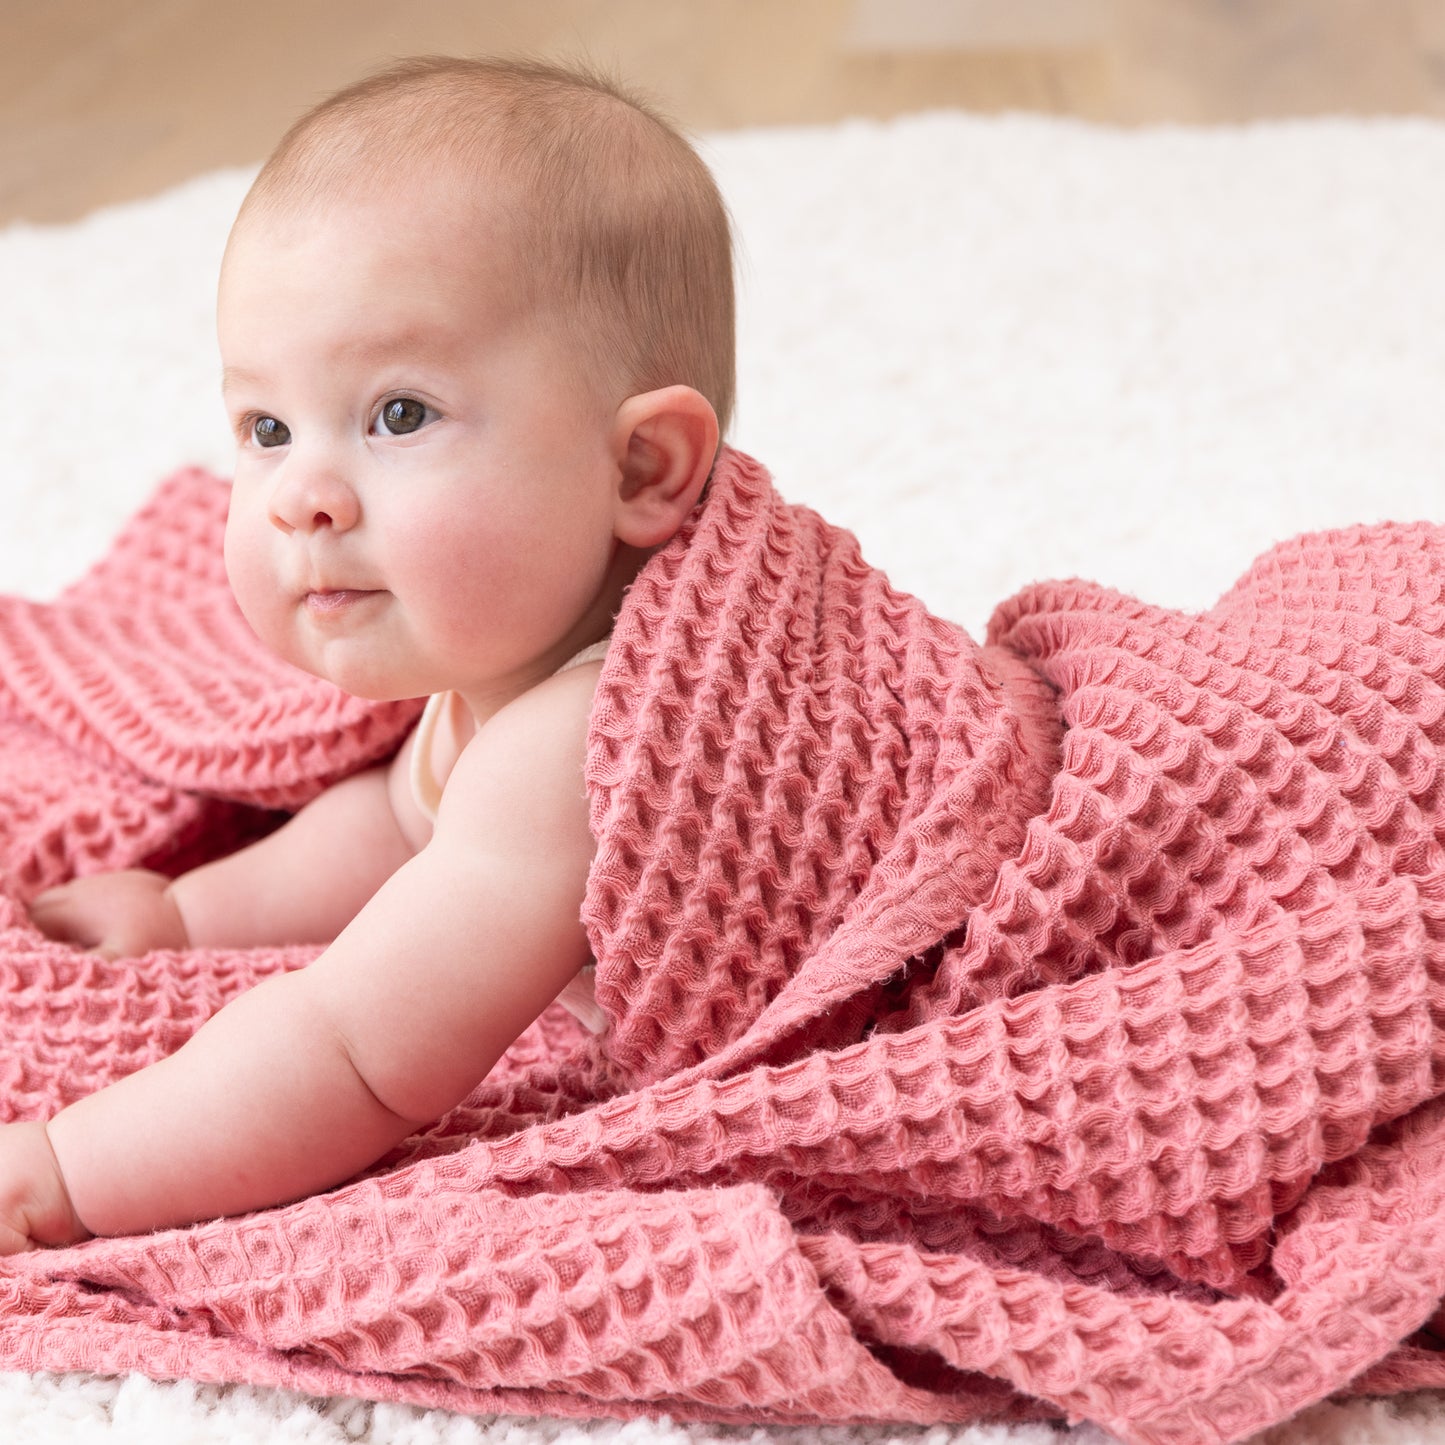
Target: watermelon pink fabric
x=1050, y=1028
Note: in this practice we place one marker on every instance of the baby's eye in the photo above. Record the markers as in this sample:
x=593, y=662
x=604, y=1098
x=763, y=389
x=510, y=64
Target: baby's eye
x=401, y=415
x=267, y=431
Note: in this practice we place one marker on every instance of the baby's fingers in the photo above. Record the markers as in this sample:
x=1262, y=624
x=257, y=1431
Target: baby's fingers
x=12, y=1240
x=55, y=914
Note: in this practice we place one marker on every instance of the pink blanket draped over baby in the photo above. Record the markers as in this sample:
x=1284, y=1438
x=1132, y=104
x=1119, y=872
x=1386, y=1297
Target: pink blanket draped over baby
x=1043, y=1029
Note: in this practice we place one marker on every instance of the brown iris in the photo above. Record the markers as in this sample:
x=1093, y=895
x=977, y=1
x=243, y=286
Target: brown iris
x=405, y=414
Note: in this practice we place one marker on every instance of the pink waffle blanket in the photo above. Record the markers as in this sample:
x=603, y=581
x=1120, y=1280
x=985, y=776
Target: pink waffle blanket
x=1042, y=1029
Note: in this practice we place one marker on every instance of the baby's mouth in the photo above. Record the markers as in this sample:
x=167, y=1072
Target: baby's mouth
x=329, y=602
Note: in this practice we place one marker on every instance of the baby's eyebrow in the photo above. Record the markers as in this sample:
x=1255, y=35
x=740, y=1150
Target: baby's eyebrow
x=230, y=375
x=419, y=343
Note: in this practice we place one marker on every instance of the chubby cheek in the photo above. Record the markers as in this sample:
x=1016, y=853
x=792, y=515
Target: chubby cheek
x=473, y=578
x=462, y=575
x=252, y=584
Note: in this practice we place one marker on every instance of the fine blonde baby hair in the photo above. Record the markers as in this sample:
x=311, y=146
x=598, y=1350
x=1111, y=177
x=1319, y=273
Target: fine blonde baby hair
x=618, y=221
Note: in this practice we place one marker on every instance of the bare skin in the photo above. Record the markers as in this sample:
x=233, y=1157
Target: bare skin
x=543, y=494
x=309, y=1077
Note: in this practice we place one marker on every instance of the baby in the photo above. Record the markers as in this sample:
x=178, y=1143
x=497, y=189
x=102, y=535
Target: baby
x=476, y=326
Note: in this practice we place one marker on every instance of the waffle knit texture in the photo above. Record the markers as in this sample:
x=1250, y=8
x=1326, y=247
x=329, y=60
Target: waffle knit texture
x=1039, y=1029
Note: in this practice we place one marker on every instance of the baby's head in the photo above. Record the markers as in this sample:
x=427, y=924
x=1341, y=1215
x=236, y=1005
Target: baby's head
x=476, y=320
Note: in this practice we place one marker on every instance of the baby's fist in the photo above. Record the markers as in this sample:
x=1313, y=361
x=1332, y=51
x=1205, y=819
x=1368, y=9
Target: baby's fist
x=35, y=1205
x=117, y=915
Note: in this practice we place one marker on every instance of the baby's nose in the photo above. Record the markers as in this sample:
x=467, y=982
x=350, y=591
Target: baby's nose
x=312, y=498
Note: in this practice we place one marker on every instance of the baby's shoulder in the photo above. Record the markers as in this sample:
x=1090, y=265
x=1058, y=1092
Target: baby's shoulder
x=524, y=766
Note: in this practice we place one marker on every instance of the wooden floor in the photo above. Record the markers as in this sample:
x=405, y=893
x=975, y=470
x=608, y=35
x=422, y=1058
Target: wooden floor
x=105, y=100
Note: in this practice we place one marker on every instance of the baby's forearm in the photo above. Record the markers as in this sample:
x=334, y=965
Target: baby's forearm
x=262, y=1106
x=313, y=1075
x=303, y=883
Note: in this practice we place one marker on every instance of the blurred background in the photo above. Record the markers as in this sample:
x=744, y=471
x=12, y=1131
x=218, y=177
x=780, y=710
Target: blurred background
x=105, y=102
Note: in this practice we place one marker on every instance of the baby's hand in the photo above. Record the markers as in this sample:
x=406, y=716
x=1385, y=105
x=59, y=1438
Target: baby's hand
x=35, y=1205
x=117, y=915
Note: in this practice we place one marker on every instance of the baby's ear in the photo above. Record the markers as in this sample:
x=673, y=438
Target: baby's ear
x=665, y=442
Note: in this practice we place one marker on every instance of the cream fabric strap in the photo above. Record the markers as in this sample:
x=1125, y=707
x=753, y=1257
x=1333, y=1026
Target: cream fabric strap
x=424, y=785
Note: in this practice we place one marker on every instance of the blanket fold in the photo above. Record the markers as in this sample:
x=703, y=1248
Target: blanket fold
x=1041, y=1028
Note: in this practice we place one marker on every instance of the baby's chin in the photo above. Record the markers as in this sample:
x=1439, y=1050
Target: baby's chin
x=370, y=689
x=360, y=679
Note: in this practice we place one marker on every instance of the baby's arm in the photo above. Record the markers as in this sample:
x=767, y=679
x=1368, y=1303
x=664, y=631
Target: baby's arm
x=301, y=884
x=306, y=881
x=311, y=1076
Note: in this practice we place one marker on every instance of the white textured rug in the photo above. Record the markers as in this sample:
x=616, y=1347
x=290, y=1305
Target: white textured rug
x=997, y=349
